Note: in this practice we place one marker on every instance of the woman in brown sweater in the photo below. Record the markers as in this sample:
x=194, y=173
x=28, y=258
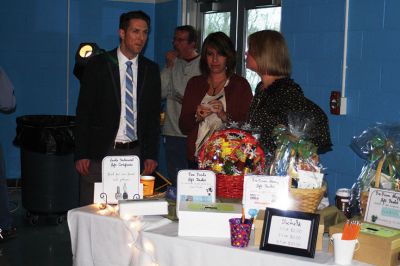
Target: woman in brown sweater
x=216, y=96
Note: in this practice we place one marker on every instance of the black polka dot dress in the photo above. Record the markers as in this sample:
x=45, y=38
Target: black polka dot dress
x=282, y=99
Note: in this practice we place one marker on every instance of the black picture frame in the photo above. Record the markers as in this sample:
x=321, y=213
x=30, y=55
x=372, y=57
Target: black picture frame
x=284, y=231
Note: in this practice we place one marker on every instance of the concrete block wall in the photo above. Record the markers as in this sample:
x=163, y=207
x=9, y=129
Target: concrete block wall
x=33, y=51
x=315, y=33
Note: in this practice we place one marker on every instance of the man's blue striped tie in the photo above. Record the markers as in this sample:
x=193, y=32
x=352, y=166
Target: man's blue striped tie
x=130, y=103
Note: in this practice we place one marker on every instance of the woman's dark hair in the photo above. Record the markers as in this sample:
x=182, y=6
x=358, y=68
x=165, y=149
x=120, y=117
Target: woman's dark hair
x=224, y=46
x=126, y=17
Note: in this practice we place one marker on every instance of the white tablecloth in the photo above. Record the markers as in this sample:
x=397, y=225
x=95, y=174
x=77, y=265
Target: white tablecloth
x=107, y=240
x=101, y=238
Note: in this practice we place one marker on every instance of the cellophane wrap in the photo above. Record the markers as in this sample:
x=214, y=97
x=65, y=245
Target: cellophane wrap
x=294, y=149
x=379, y=147
x=232, y=151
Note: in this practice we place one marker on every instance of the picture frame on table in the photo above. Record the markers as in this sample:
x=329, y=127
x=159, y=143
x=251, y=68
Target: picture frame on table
x=290, y=232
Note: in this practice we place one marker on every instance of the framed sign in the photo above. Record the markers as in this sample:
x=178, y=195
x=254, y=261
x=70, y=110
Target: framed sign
x=290, y=232
x=383, y=207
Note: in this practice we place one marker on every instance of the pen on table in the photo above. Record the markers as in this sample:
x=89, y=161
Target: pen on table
x=219, y=97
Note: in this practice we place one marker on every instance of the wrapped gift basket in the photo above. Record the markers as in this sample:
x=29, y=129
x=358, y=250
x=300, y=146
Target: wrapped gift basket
x=231, y=153
x=297, y=157
x=379, y=146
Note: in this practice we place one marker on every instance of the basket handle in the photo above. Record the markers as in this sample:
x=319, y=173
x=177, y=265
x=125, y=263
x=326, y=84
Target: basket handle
x=378, y=171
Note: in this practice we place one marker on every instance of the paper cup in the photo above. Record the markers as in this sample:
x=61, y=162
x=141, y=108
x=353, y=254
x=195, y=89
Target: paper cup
x=343, y=249
x=148, y=184
x=240, y=233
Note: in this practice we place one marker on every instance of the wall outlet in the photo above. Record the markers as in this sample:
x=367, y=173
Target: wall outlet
x=343, y=106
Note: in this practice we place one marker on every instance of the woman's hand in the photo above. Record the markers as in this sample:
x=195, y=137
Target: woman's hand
x=202, y=112
x=218, y=108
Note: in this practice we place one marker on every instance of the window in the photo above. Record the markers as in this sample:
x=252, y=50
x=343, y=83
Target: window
x=260, y=19
x=238, y=19
x=216, y=22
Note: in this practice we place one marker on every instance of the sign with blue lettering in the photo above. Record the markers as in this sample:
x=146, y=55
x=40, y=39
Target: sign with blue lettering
x=383, y=207
x=196, y=186
x=260, y=192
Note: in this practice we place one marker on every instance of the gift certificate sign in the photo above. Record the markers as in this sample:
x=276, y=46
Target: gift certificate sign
x=261, y=191
x=121, y=178
x=383, y=208
x=196, y=186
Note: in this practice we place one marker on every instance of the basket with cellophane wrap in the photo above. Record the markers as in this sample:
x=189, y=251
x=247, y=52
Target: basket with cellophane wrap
x=231, y=153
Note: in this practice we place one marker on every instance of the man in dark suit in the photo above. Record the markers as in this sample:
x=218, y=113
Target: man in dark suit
x=118, y=110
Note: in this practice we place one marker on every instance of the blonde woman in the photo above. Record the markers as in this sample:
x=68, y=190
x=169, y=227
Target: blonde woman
x=278, y=96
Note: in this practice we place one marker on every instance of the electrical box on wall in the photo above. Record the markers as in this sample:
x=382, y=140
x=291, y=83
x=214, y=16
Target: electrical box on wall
x=337, y=104
x=334, y=103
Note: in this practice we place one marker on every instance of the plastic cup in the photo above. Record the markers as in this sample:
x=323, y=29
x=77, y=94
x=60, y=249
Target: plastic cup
x=240, y=232
x=343, y=249
x=148, y=184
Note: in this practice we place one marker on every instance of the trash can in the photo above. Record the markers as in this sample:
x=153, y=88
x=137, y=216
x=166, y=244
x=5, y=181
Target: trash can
x=50, y=183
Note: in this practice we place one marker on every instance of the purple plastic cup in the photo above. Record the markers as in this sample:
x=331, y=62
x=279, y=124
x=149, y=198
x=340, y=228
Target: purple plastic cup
x=240, y=233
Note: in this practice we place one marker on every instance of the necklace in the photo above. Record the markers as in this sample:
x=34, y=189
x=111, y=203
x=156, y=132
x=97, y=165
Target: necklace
x=219, y=85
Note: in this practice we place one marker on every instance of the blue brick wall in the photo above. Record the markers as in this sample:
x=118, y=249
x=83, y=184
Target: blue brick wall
x=33, y=52
x=34, y=44
x=315, y=34
x=166, y=22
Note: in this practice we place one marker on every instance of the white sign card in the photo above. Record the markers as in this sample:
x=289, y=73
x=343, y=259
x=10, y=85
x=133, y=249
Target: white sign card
x=98, y=189
x=383, y=208
x=260, y=191
x=289, y=232
x=196, y=186
x=309, y=180
x=121, y=178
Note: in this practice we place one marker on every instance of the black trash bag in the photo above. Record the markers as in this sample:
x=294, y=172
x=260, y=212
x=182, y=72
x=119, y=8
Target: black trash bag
x=48, y=134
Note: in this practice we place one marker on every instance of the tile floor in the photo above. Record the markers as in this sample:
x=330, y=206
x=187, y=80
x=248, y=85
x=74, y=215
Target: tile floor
x=43, y=244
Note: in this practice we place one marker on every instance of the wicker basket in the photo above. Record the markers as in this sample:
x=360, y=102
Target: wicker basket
x=306, y=200
x=230, y=186
x=365, y=194
x=363, y=202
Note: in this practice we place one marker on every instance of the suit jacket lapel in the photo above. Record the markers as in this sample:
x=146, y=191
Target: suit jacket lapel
x=113, y=68
x=142, y=69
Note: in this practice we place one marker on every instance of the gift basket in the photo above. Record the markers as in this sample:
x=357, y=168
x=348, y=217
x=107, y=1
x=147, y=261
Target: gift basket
x=379, y=146
x=297, y=158
x=231, y=153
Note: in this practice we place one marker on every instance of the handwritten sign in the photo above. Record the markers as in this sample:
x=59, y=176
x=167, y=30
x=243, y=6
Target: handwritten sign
x=121, y=178
x=309, y=180
x=261, y=191
x=196, y=186
x=290, y=232
x=383, y=208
